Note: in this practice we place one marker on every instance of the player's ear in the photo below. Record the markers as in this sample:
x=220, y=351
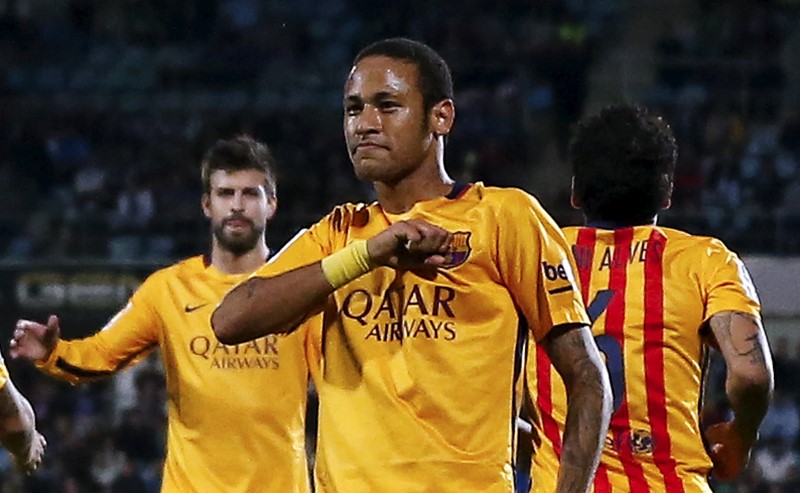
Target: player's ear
x=205, y=203
x=574, y=200
x=272, y=207
x=442, y=116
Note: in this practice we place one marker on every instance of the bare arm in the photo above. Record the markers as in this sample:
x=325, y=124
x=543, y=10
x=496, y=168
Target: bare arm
x=749, y=382
x=577, y=359
x=18, y=429
x=270, y=305
x=742, y=342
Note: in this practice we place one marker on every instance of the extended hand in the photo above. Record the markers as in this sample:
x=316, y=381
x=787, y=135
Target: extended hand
x=34, y=341
x=729, y=451
x=31, y=463
x=409, y=244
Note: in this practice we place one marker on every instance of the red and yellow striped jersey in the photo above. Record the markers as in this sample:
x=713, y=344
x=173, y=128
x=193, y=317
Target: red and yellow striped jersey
x=648, y=291
x=420, y=373
x=236, y=414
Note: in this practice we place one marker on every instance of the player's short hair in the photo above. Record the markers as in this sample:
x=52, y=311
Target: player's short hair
x=239, y=153
x=435, y=80
x=623, y=163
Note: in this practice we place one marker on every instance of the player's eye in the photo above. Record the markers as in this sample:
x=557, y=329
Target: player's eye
x=353, y=109
x=389, y=105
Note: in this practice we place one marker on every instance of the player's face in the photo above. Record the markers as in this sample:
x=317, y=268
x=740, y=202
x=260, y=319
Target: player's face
x=239, y=208
x=385, y=125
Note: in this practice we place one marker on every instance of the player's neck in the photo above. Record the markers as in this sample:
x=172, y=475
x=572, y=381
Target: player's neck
x=428, y=182
x=607, y=224
x=227, y=262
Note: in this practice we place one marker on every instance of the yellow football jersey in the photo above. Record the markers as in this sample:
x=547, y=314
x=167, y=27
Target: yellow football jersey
x=648, y=291
x=3, y=372
x=420, y=371
x=236, y=414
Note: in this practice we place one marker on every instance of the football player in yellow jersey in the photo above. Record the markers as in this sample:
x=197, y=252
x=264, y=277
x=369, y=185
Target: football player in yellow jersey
x=427, y=299
x=236, y=413
x=658, y=298
x=18, y=432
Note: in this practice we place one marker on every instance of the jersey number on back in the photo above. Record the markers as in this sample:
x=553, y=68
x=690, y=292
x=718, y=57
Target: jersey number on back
x=609, y=346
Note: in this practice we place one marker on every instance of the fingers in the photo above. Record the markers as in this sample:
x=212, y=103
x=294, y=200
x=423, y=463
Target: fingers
x=409, y=243
x=425, y=246
x=17, y=343
x=24, y=327
x=720, y=461
x=36, y=454
x=427, y=238
x=28, y=339
x=728, y=461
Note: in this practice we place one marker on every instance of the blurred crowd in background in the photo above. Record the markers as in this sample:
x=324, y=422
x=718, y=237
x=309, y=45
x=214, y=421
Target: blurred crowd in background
x=107, y=107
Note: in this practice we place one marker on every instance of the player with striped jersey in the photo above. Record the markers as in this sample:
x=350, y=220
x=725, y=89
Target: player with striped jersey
x=236, y=413
x=658, y=298
x=427, y=298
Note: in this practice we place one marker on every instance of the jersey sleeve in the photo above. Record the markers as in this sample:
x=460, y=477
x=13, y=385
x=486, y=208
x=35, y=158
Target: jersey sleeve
x=125, y=340
x=306, y=247
x=536, y=265
x=728, y=285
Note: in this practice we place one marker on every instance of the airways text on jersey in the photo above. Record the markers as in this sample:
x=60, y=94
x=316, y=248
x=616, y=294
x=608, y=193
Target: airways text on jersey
x=258, y=354
x=414, y=311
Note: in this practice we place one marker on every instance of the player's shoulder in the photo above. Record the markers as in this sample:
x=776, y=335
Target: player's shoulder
x=188, y=267
x=685, y=240
x=344, y=216
x=705, y=253
x=509, y=200
x=571, y=232
x=501, y=195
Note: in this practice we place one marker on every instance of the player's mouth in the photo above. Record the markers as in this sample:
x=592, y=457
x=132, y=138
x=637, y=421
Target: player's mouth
x=369, y=146
x=237, y=223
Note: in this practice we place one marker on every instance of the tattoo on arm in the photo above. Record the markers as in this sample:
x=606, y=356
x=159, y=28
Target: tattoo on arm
x=576, y=358
x=756, y=352
x=742, y=344
x=251, y=288
x=749, y=379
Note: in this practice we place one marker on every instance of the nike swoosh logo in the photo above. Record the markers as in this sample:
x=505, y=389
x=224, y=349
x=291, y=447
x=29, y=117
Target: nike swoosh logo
x=190, y=309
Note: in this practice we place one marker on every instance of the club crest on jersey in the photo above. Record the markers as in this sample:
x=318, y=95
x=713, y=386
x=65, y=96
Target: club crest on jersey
x=641, y=442
x=459, y=250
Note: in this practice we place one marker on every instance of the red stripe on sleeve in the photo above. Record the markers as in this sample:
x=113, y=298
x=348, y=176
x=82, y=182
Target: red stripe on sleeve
x=544, y=399
x=654, y=355
x=615, y=323
x=584, y=255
